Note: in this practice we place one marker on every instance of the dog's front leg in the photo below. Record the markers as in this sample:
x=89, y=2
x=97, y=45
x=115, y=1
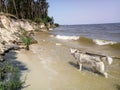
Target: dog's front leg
x=77, y=63
x=80, y=66
x=102, y=69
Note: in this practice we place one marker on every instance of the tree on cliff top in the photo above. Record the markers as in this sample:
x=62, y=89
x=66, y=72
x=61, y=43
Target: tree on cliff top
x=26, y=9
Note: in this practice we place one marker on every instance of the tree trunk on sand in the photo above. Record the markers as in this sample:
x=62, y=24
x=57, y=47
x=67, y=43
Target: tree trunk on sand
x=93, y=54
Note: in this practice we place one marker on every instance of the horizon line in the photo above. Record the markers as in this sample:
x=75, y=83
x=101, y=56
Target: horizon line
x=91, y=23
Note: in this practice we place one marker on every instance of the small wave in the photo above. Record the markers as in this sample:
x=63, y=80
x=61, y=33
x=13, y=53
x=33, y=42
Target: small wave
x=116, y=46
x=67, y=37
x=103, y=42
x=86, y=40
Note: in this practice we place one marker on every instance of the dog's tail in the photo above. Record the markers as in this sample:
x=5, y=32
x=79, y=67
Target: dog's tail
x=110, y=60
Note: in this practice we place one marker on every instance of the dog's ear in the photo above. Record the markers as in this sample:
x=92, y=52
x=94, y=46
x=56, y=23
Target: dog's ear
x=72, y=50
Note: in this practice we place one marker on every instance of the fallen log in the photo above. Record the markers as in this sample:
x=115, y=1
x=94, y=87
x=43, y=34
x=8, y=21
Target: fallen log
x=115, y=57
x=93, y=54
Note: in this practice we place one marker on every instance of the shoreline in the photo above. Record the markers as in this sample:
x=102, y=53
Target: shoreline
x=52, y=67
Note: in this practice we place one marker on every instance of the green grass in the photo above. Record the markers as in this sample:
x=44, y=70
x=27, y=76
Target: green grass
x=10, y=77
x=37, y=29
x=27, y=40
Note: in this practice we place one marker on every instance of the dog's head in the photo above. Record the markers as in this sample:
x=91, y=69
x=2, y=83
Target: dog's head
x=73, y=50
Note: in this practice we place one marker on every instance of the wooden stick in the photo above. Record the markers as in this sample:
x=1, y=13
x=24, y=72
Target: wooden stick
x=93, y=54
x=115, y=57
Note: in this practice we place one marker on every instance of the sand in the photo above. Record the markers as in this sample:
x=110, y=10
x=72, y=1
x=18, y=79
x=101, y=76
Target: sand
x=42, y=61
x=50, y=66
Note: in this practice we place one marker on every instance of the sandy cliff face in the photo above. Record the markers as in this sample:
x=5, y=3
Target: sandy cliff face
x=7, y=33
x=10, y=29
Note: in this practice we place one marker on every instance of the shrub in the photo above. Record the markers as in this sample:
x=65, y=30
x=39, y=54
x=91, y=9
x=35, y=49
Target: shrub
x=44, y=20
x=38, y=20
x=27, y=41
x=26, y=38
x=10, y=77
x=37, y=29
x=57, y=25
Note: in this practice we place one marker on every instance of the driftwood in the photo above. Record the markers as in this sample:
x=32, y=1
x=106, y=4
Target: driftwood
x=93, y=54
x=115, y=57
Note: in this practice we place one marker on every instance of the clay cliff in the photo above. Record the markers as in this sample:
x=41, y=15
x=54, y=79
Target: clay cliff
x=11, y=28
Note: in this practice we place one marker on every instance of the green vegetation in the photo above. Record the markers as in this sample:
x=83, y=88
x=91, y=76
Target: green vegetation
x=36, y=10
x=37, y=29
x=44, y=20
x=9, y=77
x=27, y=40
x=56, y=25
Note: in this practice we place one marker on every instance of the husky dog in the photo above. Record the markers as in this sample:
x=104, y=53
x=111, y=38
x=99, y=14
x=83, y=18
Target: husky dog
x=94, y=60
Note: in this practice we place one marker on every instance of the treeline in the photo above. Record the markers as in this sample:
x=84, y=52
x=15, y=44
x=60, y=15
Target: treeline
x=36, y=10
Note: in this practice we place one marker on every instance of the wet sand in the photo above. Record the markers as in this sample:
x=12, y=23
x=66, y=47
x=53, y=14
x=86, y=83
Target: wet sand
x=52, y=67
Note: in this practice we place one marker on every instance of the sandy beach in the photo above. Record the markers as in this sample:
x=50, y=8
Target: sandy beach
x=50, y=66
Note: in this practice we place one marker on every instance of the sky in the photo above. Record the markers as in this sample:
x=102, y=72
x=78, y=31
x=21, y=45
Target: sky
x=69, y=12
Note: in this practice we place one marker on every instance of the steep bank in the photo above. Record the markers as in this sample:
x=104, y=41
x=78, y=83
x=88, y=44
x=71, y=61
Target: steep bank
x=11, y=28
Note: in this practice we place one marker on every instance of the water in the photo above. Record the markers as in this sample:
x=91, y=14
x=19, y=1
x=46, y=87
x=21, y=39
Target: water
x=101, y=39
x=69, y=78
x=94, y=31
x=52, y=67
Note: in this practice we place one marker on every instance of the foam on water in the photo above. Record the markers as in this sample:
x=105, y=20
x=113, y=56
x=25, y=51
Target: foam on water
x=103, y=42
x=85, y=39
x=67, y=37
